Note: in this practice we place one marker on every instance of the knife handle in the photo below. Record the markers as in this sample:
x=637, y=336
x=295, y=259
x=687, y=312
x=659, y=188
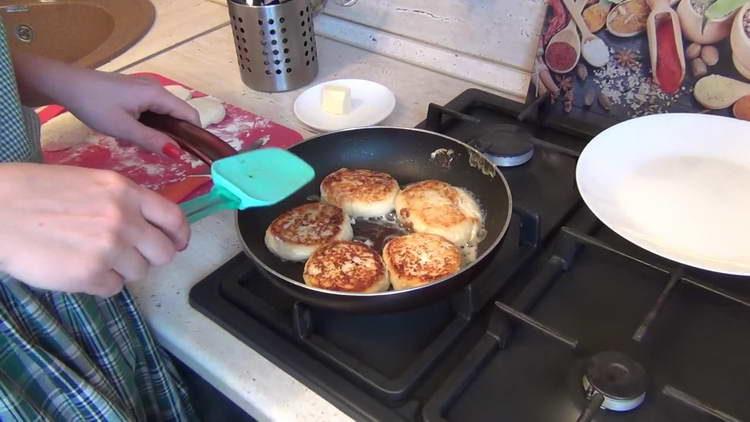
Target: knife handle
x=193, y=139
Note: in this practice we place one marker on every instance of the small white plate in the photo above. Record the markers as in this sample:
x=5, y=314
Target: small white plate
x=371, y=104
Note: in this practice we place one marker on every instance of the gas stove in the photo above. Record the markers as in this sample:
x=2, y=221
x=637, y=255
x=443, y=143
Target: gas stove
x=566, y=322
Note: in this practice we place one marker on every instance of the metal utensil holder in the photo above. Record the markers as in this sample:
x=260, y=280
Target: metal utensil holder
x=275, y=44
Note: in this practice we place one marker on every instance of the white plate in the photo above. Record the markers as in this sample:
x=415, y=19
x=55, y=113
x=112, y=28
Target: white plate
x=675, y=184
x=371, y=104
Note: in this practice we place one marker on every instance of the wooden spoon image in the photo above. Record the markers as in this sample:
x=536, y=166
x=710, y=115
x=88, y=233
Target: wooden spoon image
x=661, y=11
x=593, y=48
x=569, y=36
x=716, y=92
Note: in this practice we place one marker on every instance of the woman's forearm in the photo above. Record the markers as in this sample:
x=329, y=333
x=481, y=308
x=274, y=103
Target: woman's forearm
x=43, y=81
x=108, y=103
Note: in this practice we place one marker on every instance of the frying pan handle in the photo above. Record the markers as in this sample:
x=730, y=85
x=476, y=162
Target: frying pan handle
x=195, y=140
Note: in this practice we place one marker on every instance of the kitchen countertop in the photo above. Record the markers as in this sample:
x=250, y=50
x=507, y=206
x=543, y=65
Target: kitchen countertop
x=175, y=22
x=208, y=63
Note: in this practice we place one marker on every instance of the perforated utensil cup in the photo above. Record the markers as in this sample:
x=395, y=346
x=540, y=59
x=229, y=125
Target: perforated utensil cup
x=275, y=44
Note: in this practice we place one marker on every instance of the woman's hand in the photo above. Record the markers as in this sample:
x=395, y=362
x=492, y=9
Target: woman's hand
x=112, y=104
x=109, y=103
x=80, y=230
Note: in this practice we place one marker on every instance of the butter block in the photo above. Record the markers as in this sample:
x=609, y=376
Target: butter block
x=336, y=99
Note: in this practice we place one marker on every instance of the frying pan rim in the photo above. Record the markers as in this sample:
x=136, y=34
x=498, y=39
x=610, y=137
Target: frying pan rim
x=489, y=250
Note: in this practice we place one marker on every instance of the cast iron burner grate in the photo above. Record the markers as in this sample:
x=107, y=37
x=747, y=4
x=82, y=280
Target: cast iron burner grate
x=610, y=381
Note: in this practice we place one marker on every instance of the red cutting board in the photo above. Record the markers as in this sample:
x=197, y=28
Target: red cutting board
x=240, y=128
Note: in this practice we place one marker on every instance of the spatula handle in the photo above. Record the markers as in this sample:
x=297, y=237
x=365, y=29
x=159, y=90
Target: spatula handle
x=195, y=140
x=210, y=203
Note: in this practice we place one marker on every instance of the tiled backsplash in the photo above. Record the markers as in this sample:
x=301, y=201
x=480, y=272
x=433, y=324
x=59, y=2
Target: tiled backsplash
x=496, y=30
x=491, y=43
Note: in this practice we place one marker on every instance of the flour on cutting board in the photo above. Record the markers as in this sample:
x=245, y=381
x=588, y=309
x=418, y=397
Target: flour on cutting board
x=235, y=133
x=194, y=162
x=232, y=131
x=129, y=159
x=127, y=156
x=75, y=152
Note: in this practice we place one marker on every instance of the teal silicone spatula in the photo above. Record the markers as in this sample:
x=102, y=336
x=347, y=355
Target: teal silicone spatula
x=251, y=179
x=257, y=178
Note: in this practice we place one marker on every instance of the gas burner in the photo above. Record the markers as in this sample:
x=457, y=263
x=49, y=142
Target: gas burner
x=617, y=379
x=506, y=145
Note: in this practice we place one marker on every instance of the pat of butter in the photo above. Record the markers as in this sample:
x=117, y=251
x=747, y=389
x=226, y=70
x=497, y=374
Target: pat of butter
x=336, y=99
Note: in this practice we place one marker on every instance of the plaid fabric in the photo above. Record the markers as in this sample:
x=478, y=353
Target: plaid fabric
x=15, y=144
x=74, y=357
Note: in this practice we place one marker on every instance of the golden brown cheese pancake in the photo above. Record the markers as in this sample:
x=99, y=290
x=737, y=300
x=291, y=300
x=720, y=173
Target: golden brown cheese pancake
x=297, y=233
x=347, y=267
x=438, y=208
x=360, y=193
x=420, y=258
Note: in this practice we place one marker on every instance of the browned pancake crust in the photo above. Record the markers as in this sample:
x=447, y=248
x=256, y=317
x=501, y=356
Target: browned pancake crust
x=344, y=266
x=421, y=258
x=445, y=215
x=357, y=185
x=310, y=224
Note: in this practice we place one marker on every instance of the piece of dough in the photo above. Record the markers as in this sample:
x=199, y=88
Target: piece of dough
x=65, y=131
x=211, y=110
x=179, y=92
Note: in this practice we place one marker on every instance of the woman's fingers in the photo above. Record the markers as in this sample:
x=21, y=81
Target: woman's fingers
x=134, y=131
x=131, y=265
x=164, y=102
x=166, y=216
x=154, y=245
x=107, y=284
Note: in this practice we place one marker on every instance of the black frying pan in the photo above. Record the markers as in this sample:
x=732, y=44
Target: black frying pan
x=409, y=155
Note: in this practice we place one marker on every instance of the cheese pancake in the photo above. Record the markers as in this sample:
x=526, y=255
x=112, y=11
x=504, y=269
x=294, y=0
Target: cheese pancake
x=346, y=267
x=295, y=234
x=420, y=258
x=438, y=208
x=359, y=192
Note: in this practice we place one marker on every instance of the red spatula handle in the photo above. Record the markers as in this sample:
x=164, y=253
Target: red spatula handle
x=195, y=140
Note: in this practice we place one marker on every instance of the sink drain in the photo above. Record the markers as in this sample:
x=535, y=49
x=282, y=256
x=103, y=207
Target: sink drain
x=24, y=33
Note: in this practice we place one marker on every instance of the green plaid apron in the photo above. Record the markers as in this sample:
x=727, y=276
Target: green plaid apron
x=73, y=357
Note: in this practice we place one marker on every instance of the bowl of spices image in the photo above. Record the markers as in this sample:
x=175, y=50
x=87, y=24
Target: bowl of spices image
x=691, y=20
x=561, y=57
x=740, y=41
x=628, y=19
